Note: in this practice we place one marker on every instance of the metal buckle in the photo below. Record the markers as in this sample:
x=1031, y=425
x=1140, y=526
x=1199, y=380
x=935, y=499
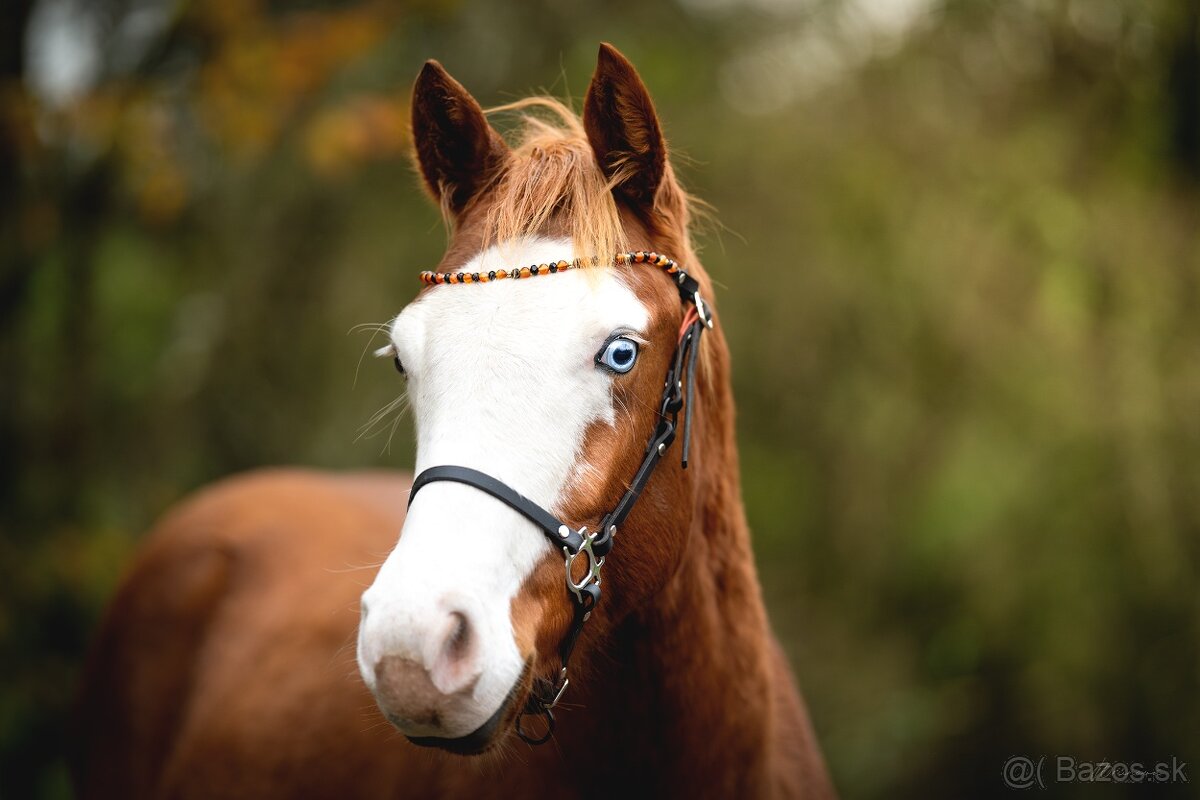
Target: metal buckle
x=702, y=310
x=562, y=687
x=594, y=564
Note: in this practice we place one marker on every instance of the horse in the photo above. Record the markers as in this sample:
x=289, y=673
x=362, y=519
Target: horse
x=486, y=660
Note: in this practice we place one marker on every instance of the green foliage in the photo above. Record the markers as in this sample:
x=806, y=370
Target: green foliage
x=959, y=277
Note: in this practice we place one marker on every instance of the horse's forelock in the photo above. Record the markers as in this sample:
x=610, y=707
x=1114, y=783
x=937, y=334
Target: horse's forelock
x=552, y=181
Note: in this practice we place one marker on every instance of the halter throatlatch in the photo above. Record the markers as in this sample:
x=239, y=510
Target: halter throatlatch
x=678, y=391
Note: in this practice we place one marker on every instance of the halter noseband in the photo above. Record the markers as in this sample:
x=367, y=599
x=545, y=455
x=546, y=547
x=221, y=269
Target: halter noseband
x=678, y=391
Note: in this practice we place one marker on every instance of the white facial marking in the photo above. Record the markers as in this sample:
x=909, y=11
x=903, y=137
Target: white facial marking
x=501, y=377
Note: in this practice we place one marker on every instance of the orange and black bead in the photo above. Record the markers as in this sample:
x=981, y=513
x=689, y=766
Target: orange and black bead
x=667, y=265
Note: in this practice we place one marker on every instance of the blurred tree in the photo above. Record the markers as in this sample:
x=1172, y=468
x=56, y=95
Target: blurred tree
x=1185, y=90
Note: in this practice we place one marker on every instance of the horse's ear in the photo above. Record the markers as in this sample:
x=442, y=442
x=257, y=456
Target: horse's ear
x=457, y=150
x=623, y=128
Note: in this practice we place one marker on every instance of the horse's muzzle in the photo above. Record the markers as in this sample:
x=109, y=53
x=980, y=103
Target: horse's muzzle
x=486, y=735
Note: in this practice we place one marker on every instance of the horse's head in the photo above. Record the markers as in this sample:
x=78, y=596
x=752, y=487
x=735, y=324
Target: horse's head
x=552, y=386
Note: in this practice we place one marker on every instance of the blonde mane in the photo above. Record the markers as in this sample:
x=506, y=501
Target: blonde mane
x=554, y=177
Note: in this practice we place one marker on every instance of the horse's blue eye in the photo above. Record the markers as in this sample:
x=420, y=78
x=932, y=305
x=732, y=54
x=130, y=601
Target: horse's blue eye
x=618, y=355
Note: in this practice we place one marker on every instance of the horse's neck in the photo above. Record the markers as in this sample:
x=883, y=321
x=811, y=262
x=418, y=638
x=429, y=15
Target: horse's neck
x=687, y=680
x=683, y=690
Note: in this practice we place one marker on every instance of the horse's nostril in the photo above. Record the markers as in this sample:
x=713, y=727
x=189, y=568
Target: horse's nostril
x=458, y=642
x=456, y=665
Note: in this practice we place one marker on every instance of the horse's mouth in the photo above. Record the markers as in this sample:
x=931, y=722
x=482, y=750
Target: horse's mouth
x=487, y=735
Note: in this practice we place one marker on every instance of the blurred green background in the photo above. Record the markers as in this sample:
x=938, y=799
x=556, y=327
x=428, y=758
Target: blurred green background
x=960, y=278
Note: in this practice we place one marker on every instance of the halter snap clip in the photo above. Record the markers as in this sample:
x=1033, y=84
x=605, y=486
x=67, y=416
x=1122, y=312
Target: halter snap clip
x=594, y=563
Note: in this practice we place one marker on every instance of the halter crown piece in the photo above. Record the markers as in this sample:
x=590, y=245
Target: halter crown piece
x=678, y=391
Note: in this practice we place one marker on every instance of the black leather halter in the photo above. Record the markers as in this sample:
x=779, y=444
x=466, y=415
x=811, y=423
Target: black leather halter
x=678, y=391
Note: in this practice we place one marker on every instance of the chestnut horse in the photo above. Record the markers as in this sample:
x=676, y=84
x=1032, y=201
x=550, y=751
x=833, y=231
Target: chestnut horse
x=224, y=666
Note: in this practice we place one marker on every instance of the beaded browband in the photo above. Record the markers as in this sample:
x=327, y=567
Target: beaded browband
x=533, y=270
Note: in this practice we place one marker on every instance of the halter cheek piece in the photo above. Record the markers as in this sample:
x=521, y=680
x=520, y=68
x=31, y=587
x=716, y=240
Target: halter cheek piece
x=678, y=390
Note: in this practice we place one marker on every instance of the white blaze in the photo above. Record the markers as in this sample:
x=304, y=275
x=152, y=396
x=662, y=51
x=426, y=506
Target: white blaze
x=501, y=378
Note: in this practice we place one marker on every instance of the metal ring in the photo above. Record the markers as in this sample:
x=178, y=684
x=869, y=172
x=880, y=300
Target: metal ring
x=528, y=739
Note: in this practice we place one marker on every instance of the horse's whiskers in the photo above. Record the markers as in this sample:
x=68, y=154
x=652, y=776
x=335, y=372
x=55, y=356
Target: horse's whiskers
x=348, y=568
x=376, y=329
x=369, y=430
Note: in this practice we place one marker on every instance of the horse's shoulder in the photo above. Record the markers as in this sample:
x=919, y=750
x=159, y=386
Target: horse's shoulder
x=297, y=502
x=268, y=565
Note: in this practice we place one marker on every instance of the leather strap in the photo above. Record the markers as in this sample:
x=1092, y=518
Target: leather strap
x=557, y=532
x=678, y=385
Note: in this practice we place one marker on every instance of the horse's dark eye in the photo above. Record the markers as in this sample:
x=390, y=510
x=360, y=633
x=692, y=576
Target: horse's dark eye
x=399, y=366
x=618, y=355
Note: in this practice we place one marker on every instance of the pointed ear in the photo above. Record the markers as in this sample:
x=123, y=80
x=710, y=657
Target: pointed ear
x=457, y=150
x=623, y=128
